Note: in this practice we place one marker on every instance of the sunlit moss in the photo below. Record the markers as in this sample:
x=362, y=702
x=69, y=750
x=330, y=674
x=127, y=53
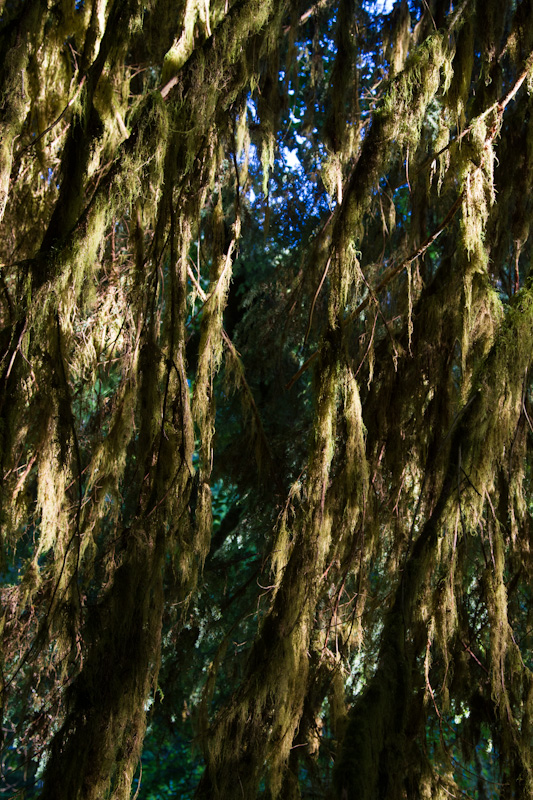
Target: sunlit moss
x=396, y=525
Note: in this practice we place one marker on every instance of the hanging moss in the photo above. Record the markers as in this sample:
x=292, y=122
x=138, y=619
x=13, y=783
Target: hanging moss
x=367, y=590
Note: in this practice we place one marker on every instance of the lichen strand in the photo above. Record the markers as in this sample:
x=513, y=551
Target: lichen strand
x=482, y=310
x=105, y=720
x=490, y=437
x=462, y=65
x=98, y=343
x=18, y=50
x=375, y=749
x=276, y=686
x=276, y=681
x=397, y=123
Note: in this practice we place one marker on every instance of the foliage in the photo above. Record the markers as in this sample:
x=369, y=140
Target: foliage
x=266, y=332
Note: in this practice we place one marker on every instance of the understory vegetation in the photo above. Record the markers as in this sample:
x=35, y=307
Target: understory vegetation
x=266, y=409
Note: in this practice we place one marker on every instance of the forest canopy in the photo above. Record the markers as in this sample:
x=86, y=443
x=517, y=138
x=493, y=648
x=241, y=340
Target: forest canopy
x=266, y=418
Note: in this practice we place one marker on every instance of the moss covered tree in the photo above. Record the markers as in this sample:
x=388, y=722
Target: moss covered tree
x=266, y=333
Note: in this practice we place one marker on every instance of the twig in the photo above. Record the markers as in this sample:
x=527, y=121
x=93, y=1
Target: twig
x=52, y=124
x=499, y=106
x=323, y=278
x=385, y=280
x=244, y=383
